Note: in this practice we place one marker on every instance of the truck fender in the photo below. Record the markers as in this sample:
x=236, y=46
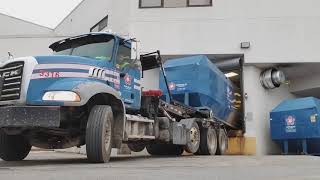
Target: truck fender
x=87, y=90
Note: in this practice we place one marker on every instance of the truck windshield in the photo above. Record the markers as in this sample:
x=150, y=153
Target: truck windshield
x=91, y=48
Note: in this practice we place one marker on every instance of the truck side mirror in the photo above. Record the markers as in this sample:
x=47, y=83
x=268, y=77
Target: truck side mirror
x=135, y=52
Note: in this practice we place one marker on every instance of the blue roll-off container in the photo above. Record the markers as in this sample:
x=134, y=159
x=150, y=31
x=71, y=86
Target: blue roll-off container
x=197, y=82
x=295, y=125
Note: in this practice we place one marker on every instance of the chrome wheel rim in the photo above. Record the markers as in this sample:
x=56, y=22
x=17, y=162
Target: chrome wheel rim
x=194, y=136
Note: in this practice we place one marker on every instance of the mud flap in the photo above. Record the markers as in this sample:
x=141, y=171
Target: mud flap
x=180, y=130
x=179, y=134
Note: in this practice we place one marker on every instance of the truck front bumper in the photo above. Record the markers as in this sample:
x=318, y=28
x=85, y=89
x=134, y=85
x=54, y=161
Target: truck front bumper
x=29, y=116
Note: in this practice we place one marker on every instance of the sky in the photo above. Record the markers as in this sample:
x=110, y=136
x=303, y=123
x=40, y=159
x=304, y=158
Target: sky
x=47, y=13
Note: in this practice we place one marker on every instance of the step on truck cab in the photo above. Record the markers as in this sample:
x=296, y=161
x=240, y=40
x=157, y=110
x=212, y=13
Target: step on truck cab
x=89, y=93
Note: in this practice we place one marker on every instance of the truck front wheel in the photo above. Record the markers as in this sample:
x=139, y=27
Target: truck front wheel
x=99, y=134
x=13, y=147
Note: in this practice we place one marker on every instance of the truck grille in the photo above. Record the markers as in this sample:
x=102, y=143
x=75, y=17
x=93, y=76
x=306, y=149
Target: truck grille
x=10, y=81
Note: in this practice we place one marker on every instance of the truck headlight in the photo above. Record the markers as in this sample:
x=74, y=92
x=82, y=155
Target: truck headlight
x=68, y=96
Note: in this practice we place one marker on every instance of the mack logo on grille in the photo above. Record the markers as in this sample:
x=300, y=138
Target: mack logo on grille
x=11, y=76
x=7, y=74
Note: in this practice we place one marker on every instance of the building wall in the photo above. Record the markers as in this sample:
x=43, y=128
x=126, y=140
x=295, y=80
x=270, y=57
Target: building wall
x=84, y=16
x=25, y=46
x=120, y=16
x=258, y=104
x=279, y=30
x=90, y=12
x=23, y=38
x=11, y=26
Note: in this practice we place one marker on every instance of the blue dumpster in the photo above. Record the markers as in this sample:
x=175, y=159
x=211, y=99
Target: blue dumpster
x=295, y=125
x=197, y=82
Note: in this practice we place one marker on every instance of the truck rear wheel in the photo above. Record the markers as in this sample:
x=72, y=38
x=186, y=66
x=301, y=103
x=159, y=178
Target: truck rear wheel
x=222, y=142
x=13, y=147
x=164, y=149
x=193, y=139
x=208, y=141
x=99, y=134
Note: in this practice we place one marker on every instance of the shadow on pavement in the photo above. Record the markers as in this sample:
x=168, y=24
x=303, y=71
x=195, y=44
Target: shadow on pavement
x=64, y=161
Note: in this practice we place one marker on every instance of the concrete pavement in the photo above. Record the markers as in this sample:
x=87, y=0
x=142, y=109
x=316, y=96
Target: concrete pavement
x=67, y=166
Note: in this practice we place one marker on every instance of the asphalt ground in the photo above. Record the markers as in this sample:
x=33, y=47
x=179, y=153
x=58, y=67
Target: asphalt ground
x=67, y=166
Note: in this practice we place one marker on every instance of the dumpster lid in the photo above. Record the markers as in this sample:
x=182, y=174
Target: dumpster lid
x=185, y=61
x=295, y=104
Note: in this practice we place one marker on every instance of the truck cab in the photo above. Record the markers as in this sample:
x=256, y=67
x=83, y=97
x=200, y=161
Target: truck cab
x=45, y=101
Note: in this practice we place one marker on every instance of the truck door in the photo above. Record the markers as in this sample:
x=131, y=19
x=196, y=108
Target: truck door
x=129, y=77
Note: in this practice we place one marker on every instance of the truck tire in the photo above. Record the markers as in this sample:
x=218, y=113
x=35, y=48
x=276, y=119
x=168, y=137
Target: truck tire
x=208, y=141
x=136, y=147
x=164, y=149
x=193, y=139
x=223, y=141
x=99, y=134
x=13, y=147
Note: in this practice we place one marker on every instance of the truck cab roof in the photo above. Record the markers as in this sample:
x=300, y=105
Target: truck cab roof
x=56, y=46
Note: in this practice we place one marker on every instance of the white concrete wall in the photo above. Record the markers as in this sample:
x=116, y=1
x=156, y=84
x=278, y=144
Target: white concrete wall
x=23, y=38
x=119, y=17
x=83, y=17
x=279, y=30
x=11, y=26
x=90, y=12
x=257, y=107
x=20, y=47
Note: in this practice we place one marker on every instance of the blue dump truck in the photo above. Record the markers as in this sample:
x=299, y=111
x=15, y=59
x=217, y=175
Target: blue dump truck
x=89, y=93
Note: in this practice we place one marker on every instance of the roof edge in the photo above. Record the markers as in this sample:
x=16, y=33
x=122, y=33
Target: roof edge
x=74, y=9
x=26, y=21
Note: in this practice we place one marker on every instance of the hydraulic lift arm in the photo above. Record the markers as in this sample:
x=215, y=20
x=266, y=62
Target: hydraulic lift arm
x=153, y=60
